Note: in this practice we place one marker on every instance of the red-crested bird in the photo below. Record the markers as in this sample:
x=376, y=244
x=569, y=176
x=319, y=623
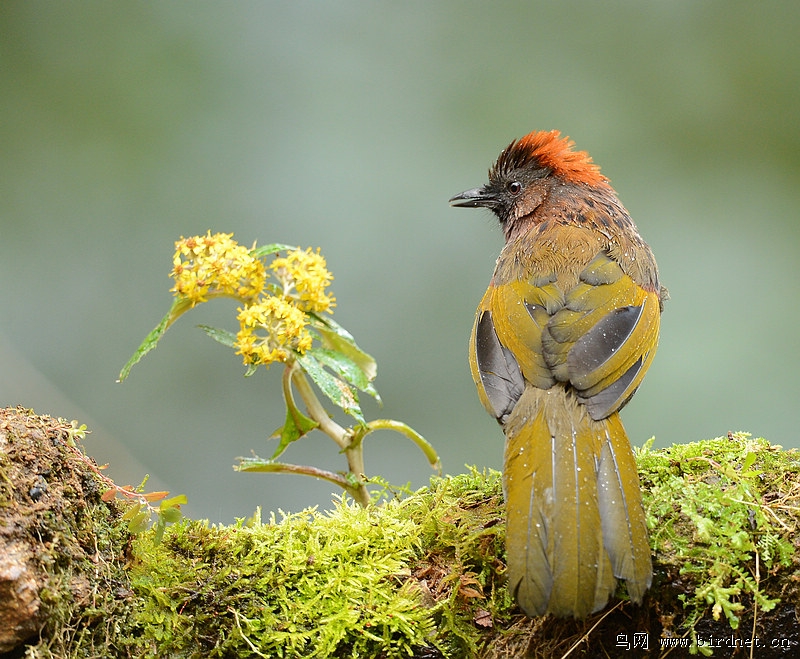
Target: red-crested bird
x=561, y=341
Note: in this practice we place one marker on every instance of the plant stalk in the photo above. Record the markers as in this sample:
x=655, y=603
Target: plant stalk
x=353, y=450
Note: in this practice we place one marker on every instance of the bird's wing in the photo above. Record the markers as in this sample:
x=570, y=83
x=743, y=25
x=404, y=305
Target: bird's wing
x=600, y=337
x=506, y=343
x=603, y=340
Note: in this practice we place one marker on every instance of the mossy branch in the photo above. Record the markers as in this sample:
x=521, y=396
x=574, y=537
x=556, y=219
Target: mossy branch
x=419, y=577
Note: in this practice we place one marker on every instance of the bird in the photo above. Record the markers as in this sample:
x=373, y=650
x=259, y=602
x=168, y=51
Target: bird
x=561, y=341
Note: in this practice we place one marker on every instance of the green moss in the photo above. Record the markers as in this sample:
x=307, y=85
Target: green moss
x=722, y=515
x=420, y=576
x=354, y=582
x=50, y=504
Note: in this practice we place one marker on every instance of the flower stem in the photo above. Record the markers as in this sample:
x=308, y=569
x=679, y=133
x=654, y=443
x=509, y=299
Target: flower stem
x=316, y=411
x=344, y=438
x=256, y=465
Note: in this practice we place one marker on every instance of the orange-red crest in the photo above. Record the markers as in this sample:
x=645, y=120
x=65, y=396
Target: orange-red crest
x=548, y=149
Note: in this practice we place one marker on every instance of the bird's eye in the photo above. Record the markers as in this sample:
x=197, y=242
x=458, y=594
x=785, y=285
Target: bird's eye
x=514, y=187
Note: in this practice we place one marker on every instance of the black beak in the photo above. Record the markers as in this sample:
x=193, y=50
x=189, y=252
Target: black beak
x=475, y=198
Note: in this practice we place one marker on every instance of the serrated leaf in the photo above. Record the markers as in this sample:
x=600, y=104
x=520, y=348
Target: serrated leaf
x=345, y=368
x=338, y=391
x=296, y=426
x=272, y=248
x=179, y=307
x=226, y=338
x=337, y=338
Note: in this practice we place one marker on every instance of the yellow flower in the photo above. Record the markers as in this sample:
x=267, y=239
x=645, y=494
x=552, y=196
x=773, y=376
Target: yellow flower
x=215, y=265
x=271, y=330
x=304, y=277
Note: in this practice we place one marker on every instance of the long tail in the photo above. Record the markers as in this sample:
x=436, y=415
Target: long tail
x=575, y=521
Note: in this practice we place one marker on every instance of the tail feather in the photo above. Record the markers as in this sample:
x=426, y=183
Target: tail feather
x=619, y=499
x=528, y=546
x=574, y=514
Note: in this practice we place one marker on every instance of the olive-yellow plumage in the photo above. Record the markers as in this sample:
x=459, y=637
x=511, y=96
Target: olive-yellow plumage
x=562, y=339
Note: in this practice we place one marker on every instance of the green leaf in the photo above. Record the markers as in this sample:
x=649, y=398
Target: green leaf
x=338, y=391
x=296, y=425
x=272, y=248
x=173, y=502
x=222, y=336
x=132, y=512
x=749, y=461
x=159, y=528
x=170, y=515
x=337, y=338
x=139, y=522
x=179, y=307
x=345, y=368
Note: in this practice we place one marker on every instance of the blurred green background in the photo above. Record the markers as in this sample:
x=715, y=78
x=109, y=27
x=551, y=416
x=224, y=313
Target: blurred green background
x=348, y=126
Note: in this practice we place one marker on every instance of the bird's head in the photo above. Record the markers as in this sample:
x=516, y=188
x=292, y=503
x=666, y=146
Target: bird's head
x=524, y=173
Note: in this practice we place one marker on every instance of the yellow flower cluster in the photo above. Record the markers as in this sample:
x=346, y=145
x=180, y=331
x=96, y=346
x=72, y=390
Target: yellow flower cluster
x=273, y=325
x=307, y=274
x=270, y=331
x=215, y=265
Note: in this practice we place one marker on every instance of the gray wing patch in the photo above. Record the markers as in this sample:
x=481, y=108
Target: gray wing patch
x=595, y=347
x=499, y=371
x=602, y=403
x=593, y=350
